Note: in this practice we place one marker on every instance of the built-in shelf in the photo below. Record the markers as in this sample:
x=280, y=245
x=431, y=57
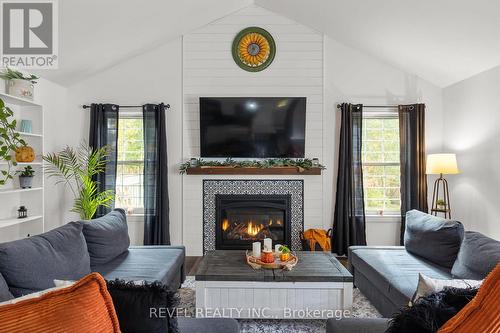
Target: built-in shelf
x=31, y=134
x=4, y=223
x=20, y=190
x=9, y=99
x=252, y=171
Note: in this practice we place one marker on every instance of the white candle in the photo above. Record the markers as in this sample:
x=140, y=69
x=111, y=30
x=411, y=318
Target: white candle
x=277, y=248
x=268, y=244
x=256, y=249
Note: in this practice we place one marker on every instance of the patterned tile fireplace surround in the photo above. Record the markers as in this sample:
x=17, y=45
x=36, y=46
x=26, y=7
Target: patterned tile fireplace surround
x=213, y=188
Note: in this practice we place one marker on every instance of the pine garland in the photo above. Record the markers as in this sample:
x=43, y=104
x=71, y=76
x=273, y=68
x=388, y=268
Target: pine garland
x=303, y=163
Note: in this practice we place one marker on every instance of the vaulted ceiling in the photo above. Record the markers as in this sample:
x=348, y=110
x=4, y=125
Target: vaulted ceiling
x=442, y=41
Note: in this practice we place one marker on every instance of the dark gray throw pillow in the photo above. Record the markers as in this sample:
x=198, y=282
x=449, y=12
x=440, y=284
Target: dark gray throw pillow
x=477, y=257
x=33, y=263
x=107, y=236
x=433, y=238
x=5, y=294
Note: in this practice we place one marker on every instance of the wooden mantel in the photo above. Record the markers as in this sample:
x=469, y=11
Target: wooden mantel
x=252, y=171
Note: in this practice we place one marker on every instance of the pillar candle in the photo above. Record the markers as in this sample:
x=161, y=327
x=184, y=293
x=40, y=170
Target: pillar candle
x=268, y=244
x=256, y=249
x=277, y=248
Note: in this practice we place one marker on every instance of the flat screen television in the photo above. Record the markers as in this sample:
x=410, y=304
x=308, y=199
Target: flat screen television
x=252, y=127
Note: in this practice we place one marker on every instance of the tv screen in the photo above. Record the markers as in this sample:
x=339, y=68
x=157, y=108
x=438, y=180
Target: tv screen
x=258, y=127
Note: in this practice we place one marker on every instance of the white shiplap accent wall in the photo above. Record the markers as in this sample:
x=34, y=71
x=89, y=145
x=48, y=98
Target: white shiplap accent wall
x=209, y=70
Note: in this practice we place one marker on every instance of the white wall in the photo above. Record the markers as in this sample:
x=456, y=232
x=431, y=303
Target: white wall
x=351, y=76
x=472, y=131
x=151, y=77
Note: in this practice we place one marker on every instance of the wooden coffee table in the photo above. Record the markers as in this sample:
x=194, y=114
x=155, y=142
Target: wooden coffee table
x=317, y=288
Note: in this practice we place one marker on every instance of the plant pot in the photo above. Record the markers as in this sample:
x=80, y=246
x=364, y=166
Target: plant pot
x=441, y=207
x=25, y=182
x=21, y=88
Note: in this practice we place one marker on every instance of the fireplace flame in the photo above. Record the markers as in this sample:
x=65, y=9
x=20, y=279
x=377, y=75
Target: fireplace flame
x=225, y=225
x=278, y=222
x=253, y=229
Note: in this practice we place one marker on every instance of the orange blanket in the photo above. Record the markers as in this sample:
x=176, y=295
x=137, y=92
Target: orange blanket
x=320, y=237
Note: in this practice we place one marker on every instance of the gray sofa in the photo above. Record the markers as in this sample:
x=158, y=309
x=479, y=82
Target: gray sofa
x=435, y=247
x=78, y=248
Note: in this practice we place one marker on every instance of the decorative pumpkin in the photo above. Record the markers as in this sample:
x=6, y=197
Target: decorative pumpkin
x=267, y=257
x=253, y=49
x=25, y=154
x=284, y=257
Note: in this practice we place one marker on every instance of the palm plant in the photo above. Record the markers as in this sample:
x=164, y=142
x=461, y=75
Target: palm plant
x=77, y=169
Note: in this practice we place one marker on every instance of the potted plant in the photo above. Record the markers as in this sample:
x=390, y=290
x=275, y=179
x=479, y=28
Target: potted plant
x=441, y=204
x=18, y=84
x=77, y=168
x=10, y=141
x=26, y=177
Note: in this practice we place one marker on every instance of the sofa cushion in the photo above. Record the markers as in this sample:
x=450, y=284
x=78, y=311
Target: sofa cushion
x=427, y=285
x=433, y=238
x=33, y=263
x=85, y=307
x=107, y=236
x=477, y=257
x=146, y=263
x=5, y=293
x=143, y=307
x=393, y=271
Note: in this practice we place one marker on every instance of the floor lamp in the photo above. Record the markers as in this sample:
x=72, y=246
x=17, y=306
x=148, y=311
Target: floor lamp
x=441, y=164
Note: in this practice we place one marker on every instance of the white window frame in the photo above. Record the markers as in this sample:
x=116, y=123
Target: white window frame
x=374, y=215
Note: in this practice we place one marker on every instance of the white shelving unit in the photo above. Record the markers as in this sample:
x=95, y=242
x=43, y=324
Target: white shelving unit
x=11, y=195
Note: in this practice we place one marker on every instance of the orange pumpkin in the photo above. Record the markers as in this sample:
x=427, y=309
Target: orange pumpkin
x=25, y=154
x=267, y=257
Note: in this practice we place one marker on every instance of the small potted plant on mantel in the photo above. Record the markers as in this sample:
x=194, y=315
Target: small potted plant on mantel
x=26, y=177
x=18, y=84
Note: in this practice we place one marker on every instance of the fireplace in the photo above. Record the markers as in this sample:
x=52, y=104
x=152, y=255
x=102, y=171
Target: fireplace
x=244, y=219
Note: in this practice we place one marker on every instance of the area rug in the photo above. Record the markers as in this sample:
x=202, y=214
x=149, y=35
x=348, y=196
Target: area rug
x=361, y=309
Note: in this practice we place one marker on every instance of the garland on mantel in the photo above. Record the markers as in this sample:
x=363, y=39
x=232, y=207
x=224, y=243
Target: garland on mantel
x=301, y=163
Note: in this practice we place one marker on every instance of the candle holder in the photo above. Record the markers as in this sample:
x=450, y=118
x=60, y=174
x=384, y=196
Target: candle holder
x=22, y=212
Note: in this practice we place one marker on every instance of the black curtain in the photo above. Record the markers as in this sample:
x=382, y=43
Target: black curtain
x=104, y=132
x=412, y=155
x=156, y=203
x=349, y=217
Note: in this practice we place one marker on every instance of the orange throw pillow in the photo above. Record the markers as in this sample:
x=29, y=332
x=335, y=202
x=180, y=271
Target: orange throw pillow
x=482, y=313
x=84, y=307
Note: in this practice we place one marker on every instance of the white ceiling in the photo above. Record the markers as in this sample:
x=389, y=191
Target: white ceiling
x=97, y=34
x=442, y=41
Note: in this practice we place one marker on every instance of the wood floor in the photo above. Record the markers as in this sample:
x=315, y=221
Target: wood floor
x=192, y=264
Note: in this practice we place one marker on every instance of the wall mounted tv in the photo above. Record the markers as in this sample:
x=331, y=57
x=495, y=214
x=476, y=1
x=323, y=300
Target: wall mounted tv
x=252, y=127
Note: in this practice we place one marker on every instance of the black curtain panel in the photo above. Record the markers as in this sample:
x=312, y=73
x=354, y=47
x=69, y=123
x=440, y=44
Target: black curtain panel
x=156, y=203
x=412, y=155
x=349, y=217
x=104, y=132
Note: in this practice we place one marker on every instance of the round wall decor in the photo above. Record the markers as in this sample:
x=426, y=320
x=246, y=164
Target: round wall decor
x=253, y=49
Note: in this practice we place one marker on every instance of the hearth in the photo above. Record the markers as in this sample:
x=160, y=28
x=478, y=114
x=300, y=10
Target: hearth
x=244, y=219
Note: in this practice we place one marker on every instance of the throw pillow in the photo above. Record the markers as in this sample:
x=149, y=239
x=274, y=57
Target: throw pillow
x=107, y=236
x=431, y=312
x=433, y=238
x=427, y=285
x=477, y=257
x=144, y=307
x=481, y=314
x=85, y=307
x=5, y=293
x=32, y=264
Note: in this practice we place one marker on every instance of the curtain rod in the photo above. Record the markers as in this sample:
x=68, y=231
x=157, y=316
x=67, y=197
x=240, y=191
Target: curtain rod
x=167, y=106
x=375, y=106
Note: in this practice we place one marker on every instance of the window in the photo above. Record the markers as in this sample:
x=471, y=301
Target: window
x=130, y=164
x=381, y=171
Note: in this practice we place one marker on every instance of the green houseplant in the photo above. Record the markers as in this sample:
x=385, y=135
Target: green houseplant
x=77, y=168
x=10, y=140
x=26, y=177
x=11, y=74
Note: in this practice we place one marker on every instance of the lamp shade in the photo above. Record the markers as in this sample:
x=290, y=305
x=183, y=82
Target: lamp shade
x=442, y=164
